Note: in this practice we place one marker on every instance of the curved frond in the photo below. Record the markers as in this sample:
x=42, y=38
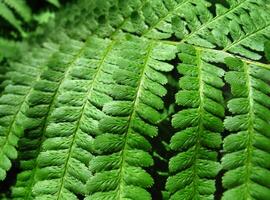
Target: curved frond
x=199, y=124
x=247, y=149
x=14, y=104
x=42, y=102
x=123, y=148
x=82, y=110
x=62, y=167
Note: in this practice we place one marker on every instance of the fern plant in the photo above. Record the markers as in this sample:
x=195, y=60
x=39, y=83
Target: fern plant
x=84, y=113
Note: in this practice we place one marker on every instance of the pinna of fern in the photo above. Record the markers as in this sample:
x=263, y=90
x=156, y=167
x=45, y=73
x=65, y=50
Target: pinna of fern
x=21, y=76
x=194, y=168
x=61, y=134
x=91, y=106
x=40, y=139
x=122, y=149
x=247, y=150
x=191, y=21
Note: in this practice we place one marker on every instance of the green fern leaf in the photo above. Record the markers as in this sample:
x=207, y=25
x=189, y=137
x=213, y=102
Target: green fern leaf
x=122, y=149
x=41, y=102
x=159, y=20
x=247, y=148
x=14, y=104
x=62, y=167
x=246, y=31
x=88, y=106
x=199, y=123
x=245, y=35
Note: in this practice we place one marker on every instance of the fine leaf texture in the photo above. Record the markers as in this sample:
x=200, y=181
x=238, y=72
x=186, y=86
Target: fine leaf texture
x=61, y=168
x=85, y=109
x=8, y=15
x=123, y=148
x=41, y=102
x=199, y=125
x=247, y=150
x=245, y=34
x=13, y=102
x=240, y=29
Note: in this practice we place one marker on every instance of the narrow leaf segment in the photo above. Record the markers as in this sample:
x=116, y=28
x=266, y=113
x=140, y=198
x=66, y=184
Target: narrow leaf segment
x=13, y=102
x=247, y=158
x=63, y=162
x=123, y=148
x=199, y=123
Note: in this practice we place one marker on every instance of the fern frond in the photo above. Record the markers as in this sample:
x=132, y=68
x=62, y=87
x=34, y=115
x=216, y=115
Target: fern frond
x=89, y=106
x=195, y=165
x=123, y=148
x=88, y=16
x=245, y=35
x=247, y=150
x=41, y=102
x=240, y=29
x=13, y=103
x=110, y=18
x=62, y=167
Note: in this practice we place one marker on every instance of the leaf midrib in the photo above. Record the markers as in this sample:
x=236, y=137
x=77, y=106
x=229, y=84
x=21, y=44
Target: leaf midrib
x=234, y=43
x=266, y=66
x=250, y=131
x=200, y=124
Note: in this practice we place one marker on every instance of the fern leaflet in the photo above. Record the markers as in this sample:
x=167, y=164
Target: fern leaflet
x=132, y=117
x=62, y=164
x=14, y=104
x=199, y=123
x=247, y=148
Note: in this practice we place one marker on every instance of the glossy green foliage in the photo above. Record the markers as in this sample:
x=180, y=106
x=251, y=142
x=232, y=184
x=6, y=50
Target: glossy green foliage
x=73, y=121
x=139, y=100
